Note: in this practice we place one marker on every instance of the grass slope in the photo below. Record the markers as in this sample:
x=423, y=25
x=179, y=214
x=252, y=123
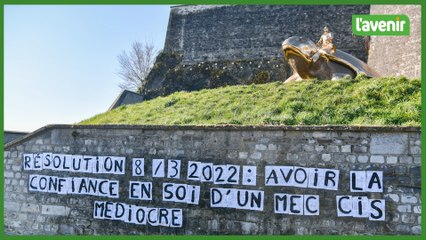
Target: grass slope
x=383, y=101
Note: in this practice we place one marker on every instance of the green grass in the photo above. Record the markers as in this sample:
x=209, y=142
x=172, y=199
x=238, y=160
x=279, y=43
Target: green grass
x=383, y=101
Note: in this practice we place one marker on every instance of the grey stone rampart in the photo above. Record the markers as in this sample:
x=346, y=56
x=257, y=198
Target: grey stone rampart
x=395, y=151
x=249, y=32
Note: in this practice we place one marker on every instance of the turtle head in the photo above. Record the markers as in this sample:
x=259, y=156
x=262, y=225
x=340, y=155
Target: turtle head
x=300, y=46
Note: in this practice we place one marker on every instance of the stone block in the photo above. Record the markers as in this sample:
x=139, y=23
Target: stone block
x=406, y=159
x=346, y=148
x=66, y=229
x=389, y=143
x=417, y=230
x=55, y=210
x=360, y=149
x=404, y=208
x=189, y=132
x=319, y=134
x=415, y=150
x=333, y=148
x=362, y=159
x=12, y=206
x=261, y=147
x=232, y=154
x=17, y=224
x=319, y=148
x=408, y=198
x=377, y=159
x=403, y=228
x=326, y=157
x=8, y=174
x=408, y=218
x=308, y=148
x=16, y=168
x=249, y=228
x=272, y=147
x=256, y=155
x=243, y=155
x=417, y=209
x=391, y=159
x=292, y=156
x=179, y=152
x=417, y=160
x=30, y=207
x=351, y=158
x=394, y=197
x=213, y=225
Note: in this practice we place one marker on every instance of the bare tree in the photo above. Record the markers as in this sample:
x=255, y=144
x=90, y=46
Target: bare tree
x=135, y=66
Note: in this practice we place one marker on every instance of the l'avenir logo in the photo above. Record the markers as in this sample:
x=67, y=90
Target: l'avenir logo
x=381, y=25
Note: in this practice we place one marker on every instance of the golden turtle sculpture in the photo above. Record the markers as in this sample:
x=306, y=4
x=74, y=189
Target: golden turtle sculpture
x=321, y=61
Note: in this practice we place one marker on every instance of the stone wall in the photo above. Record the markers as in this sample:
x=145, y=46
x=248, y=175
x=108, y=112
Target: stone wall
x=169, y=75
x=397, y=55
x=393, y=150
x=9, y=136
x=235, y=32
x=126, y=97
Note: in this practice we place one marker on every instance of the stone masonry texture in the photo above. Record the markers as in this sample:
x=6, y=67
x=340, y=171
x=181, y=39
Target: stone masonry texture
x=397, y=55
x=218, y=33
x=9, y=136
x=393, y=150
x=125, y=98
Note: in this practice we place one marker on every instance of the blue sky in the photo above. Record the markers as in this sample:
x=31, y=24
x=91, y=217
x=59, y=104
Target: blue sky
x=60, y=61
